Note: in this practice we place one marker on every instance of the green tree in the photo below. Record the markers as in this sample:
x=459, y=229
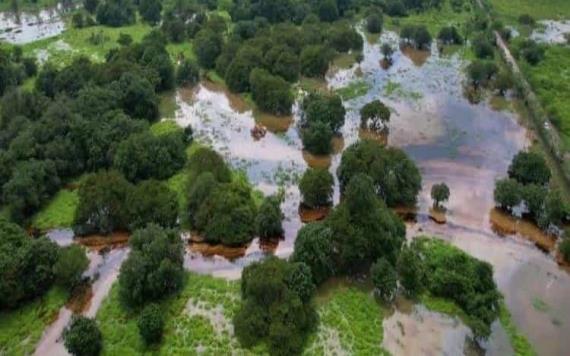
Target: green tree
x=151, y=324
x=316, y=187
x=396, y=178
x=70, y=265
x=317, y=138
x=151, y=202
x=327, y=10
x=82, y=337
x=503, y=82
x=417, y=36
x=116, y=13
x=271, y=93
x=529, y=167
x=269, y=217
x=410, y=271
x=90, y=5
x=238, y=73
x=507, y=193
x=315, y=61
x=150, y=11
x=208, y=46
x=534, y=197
x=325, y=108
x=374, y=115
x=206, y=159
x=154, y=267
x=101, y=207
x=374, y=23
x=313, y=247
x=439, y=193
x=188, y=73
x=384, y=278
x=450, y=35
x=137, y=96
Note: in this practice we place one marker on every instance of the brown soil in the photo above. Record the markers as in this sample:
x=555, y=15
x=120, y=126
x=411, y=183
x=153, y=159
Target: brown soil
x=505, y=224
x=311, y=215
x=100, y=242
x=437, y=215
x=209, y=250
x=80, y=298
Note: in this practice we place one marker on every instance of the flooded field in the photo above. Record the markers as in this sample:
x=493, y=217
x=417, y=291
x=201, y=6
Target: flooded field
x=26, y=27
x=552, y=32
x=467, y=146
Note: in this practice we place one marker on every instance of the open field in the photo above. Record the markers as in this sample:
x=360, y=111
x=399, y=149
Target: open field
x=59, y=212
x=433, y=19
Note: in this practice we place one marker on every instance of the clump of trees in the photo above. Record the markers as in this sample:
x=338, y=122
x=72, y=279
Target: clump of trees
x=116, y=13
x=439, y=194
x=15, y=68
x=374, y=115
x=316, y=188
x=374, y=22
x=447, y=272
x=385, y=279
x=271, y=93
x=83, y=337
x=481, y=73
x=276, y=306
x=313, y=247
x=416, y=36
x=269, y=218
x=395, y=177
x=154, y=268
x=70, y=265
x=528, y=183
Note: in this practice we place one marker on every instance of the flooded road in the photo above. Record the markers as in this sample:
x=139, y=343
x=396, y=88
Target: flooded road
x=103, y=269
x=26, y=27
x=467, y=146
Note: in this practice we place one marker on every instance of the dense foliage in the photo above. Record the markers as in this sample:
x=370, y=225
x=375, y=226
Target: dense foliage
x=269, y=218
x=395, y=176
x=82, y=337
x=316, y=187
x=276, y=306
x=153, y=269
x=151, y=202
x=26, y=265
x=417, y=36
x=151, y=324
x=384, y=278
x=313, y=247
x=71, y=263
x=529, y=168
x=439, y=193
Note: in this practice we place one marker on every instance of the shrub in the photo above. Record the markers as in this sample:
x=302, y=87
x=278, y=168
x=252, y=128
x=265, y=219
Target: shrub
x=269, y=217
x=82, y=337
x=384, y=278
x=151, y=324
x=316, y=187
x=450, y=35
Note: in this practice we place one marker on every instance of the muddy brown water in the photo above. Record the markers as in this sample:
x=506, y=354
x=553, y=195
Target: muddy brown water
x=466, y=146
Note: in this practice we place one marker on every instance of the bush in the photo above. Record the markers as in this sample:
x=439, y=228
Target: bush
x=450, y=35
x=483, y=46
x=313, y=247
x=154, y=268
x=416, y=35
x=410, y=271
x=151, y=324
x=316, y=187
x=384, y=278
x=439, y=193
x=317, y=138
x=70, y=265
x=82, y=337
x=374, y=115
x=526, y=19
x=532, y=52
x=326, y=108
x=269, y=217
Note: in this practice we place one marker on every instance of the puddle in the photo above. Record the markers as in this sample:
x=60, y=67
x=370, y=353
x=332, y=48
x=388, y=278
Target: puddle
x=26, y=27
x=550, y=31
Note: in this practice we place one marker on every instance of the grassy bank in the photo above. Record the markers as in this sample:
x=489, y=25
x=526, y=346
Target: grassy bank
x=21, y=329
x=519, y=342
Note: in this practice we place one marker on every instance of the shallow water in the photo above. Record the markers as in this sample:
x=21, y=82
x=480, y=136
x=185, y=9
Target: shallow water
x=552, y=32
x=26, y=27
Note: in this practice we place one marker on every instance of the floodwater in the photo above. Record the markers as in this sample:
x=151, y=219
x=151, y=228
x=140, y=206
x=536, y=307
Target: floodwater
x=467, y=146
x=103, y=269
x=26, y=27
x=552, y=32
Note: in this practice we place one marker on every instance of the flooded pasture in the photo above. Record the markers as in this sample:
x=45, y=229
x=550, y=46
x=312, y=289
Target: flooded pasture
x=467, y=146
x=25, y=27
x=552, y=32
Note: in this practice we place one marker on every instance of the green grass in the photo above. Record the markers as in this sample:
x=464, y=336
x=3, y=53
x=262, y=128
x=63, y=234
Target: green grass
x=395, y=90
x=510, y=10
x=184, y=332
x=164, y=127
x=550, y=80
x=519, y=342
x=444, y=306
x=433, y=19
x=21, y=329
x=353, y=319
x=353, y=90
x=59, y=212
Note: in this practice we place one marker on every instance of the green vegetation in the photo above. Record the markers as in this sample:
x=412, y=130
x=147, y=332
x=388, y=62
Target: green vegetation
x=540, y=9
x=439, y=193
x=549, y=79
x=82, y=337
x=354, y=317
x=353, y=90
x=519, y=342
x=22, y=328
x=59, y=212
x=316, y=187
